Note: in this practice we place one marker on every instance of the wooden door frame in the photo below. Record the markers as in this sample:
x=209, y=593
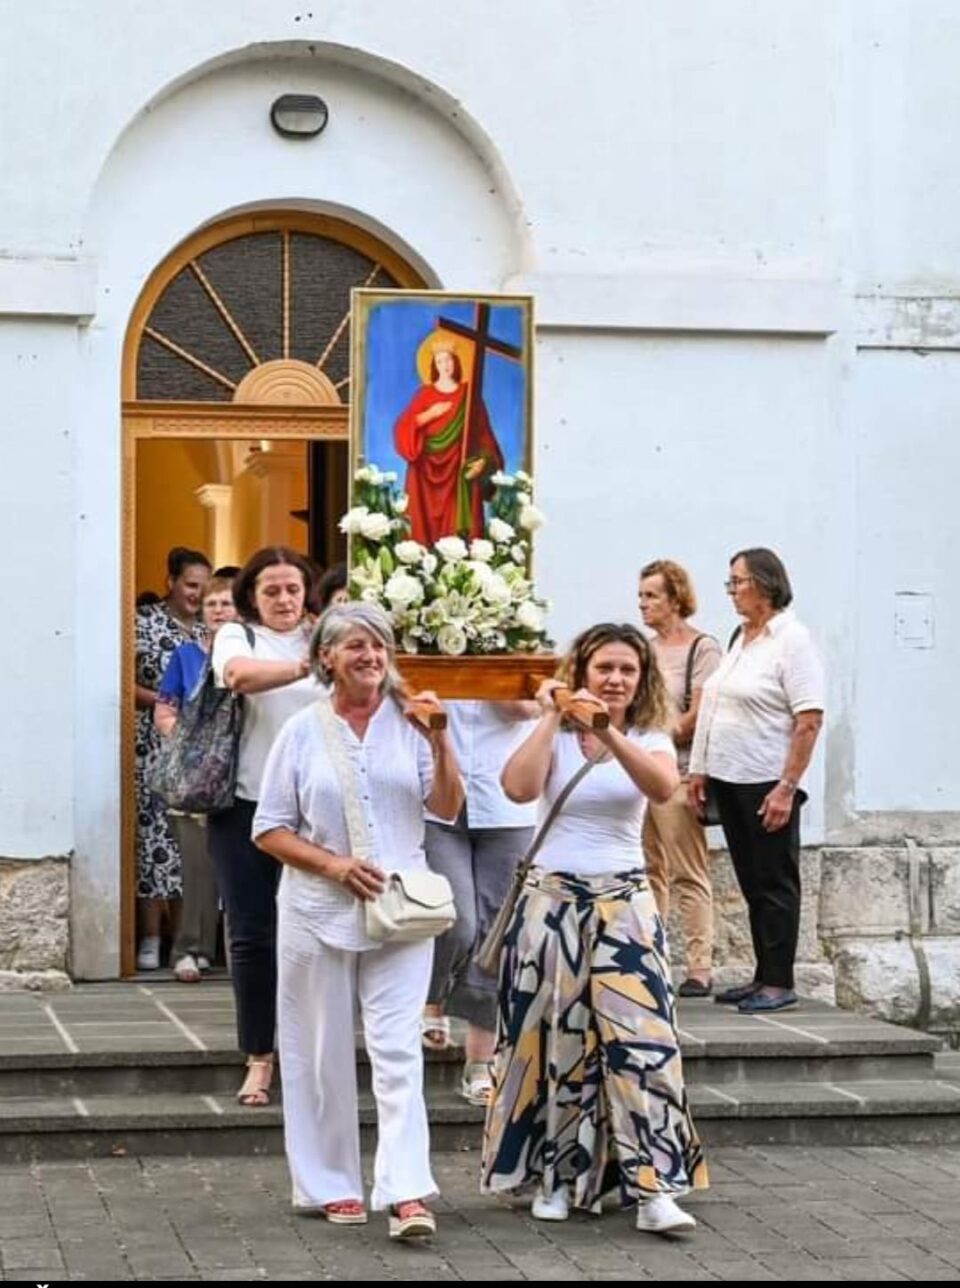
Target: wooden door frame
x=146, y=421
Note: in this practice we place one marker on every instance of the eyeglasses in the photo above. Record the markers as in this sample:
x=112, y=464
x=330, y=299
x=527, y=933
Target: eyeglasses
x=736, y=582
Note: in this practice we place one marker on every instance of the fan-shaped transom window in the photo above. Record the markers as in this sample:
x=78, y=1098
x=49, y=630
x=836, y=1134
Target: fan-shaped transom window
x=261, y=316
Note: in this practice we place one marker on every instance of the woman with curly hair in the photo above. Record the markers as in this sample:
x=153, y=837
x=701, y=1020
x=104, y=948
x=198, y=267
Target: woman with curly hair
x=588, y=1094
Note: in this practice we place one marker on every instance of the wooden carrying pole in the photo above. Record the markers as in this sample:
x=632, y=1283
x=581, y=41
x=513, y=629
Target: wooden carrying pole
x=586, y=711
x=425, y=711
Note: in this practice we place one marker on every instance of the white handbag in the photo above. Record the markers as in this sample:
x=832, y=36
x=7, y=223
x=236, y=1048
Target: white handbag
x=415, y=903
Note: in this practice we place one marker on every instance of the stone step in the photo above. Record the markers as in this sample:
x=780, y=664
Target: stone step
x=867, y=1113
x=132, y=1072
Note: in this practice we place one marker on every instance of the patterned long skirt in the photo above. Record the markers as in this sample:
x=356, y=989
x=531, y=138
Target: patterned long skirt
x=588, y=1080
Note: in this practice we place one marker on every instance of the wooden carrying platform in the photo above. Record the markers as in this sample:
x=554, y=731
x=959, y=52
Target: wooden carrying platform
x=498, y=677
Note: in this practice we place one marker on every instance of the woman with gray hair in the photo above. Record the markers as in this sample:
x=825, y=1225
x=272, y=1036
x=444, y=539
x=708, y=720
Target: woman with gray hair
x=328, y=965
x=759, y=718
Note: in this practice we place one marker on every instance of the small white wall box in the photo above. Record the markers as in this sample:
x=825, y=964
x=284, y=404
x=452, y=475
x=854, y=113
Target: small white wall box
x=913, y=619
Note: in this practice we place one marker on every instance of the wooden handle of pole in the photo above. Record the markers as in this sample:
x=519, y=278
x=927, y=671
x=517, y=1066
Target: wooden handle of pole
x=586, y=711
x=425, y=711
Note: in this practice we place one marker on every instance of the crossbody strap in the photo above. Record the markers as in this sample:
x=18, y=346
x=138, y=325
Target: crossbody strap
x=526, y=863
x=688, y=678
x=358, y=833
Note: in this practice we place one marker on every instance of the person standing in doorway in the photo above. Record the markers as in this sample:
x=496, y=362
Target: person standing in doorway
x=674, y=841
x=160, y=629
x=196, y=942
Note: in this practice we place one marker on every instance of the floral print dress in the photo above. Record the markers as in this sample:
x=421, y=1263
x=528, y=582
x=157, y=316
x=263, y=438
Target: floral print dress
x=159, y=874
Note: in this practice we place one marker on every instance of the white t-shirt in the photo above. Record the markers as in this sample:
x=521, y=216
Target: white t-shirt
x=599, y=830
x=393, y=766
x=483, y=742
x=747, y=709
x=264, y=714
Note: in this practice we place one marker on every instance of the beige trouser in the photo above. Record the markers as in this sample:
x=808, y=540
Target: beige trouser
x=675, y=846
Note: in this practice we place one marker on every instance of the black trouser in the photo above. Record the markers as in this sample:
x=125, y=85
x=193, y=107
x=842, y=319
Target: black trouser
x=247, y=879
x=767, y=865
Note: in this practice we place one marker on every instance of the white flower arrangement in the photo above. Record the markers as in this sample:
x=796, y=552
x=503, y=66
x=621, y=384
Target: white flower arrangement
x=457, y=598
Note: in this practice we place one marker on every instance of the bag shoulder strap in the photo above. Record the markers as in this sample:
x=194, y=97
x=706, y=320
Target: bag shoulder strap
x=737, y=632
x=688, y=676
x=526, y=863
x=357, y=830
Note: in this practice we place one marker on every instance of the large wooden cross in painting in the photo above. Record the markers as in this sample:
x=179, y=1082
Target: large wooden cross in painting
x=479, y=335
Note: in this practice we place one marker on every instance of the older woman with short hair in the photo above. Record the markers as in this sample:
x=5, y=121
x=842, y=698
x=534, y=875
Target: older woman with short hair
x=328, y=964
x=759, y=719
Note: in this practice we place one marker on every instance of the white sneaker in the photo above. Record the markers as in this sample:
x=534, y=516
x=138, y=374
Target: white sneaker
x=662, y=1215
x=203, y=962
x=556, y=1207
x=148, y=954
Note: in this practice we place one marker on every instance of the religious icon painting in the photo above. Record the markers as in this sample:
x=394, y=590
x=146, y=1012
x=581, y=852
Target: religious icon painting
x=441, y=395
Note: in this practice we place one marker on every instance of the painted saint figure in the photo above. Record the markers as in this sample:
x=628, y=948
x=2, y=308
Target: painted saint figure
x=447, y=440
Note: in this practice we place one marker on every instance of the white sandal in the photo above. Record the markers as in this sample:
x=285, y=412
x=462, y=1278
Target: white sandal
x=476, y=1084
x=439, y=1024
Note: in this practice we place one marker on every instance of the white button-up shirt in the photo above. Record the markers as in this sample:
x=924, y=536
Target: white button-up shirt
x=483, y=741
x=393, y=767
x=747, y=710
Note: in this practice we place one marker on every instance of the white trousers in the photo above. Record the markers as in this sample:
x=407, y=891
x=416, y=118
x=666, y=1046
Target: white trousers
x=320, y=989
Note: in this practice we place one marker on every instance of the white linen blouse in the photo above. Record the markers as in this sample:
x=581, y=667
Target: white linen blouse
x=393, y=765
x=747, y=709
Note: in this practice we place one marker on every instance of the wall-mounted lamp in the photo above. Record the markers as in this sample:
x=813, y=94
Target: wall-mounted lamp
x=299, y=116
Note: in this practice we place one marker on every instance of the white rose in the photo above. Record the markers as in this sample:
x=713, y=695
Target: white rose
x=452, y=640
x=409, y=643
x=480, y=549
x=495, y=590
x=531, y=518
x=482, y=572
x=530, y=616
x=523, y=477
x=402, y=589
x=518, y=554
x=451, y=548
x=409, y=552
x=401, y=503
x=375, y=526
x=351, y=521
x=500, y=531
x=501, y=480
x=370, y=594
x=430, y=564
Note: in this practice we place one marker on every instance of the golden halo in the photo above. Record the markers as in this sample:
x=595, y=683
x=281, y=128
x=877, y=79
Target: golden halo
x=459, y=344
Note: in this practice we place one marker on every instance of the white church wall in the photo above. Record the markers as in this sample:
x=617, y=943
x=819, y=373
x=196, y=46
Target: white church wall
x=38, y=373
x=908, y=698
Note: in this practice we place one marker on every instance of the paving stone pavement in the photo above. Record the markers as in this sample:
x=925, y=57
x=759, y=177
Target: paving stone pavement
x=775, y=1213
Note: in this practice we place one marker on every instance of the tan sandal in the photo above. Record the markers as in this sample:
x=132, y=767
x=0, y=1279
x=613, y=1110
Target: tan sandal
x=255, y=1092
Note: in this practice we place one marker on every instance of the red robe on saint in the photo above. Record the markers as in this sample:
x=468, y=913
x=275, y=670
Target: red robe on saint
x=443, y=502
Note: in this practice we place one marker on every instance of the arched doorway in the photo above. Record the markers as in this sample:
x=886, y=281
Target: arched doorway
x=236, y=387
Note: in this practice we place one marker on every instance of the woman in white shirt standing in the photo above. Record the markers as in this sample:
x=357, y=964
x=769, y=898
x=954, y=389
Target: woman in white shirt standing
x=588, y=1095
x=759, y=718
x=328, y=964
x=273, y=675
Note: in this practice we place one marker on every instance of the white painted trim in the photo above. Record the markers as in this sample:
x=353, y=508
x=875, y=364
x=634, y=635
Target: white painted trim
x=37, y=286
x=691, y=298
x=907, y=321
